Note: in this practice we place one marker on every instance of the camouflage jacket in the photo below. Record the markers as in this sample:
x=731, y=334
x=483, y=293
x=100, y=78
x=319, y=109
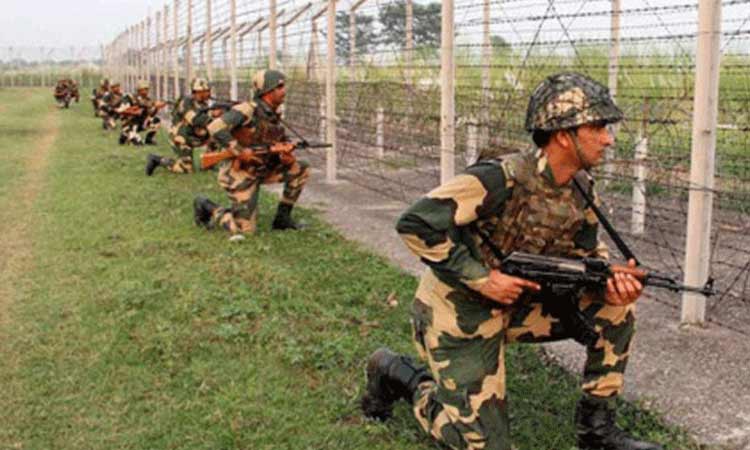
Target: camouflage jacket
x=112, y=102
x=190, y=119
x=147, y=103
x=512, y=203
x=256, y=115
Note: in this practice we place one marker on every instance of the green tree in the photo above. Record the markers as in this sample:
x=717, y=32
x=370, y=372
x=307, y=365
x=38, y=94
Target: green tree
x=366, y=38
x=427, y=24
x=499, y=45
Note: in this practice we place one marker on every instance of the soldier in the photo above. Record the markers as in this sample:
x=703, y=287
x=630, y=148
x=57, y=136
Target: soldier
x=73, y=86
x=63, y=93
x=190, y=117
x=141, y=116
x=98, y=94
x=466, y=310
x=242, y=179
x=113, y=104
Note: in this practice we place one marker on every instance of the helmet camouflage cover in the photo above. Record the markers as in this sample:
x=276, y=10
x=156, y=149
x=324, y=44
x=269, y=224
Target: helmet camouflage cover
x=199, y=84
x=267, y=80
x=568, y=100
x=143, y=84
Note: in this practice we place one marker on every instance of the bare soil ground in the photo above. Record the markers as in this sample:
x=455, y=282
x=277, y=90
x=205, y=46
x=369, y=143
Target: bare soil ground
x=16, y=221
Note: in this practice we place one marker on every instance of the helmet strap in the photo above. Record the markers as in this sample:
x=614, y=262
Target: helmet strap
x=579, y=150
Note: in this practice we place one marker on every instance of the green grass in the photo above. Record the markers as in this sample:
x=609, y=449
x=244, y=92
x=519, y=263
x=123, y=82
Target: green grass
x=137, y=330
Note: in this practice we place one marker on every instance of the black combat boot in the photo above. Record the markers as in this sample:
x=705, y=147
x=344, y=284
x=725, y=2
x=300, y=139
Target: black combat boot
x=203, y=208
x=390, y=377
x=152, y=162
x=283, y=219
x=150, y=138
x=596, y=428
x=123, y=139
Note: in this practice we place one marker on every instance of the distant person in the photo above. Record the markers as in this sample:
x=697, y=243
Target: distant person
x=190, y=117
x=141, y=116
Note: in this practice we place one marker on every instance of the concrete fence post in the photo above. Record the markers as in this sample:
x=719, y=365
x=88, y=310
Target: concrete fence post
x=331, y=93
x=379, y=132
x=175, y=49
x=638, y=217
x=702, y=159
x=209, y=43
x=614, y=67
x=472, y=140
x=447, y=94
x=233, y=91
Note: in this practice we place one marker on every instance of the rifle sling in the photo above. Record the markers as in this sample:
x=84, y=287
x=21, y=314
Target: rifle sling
x=621, y=245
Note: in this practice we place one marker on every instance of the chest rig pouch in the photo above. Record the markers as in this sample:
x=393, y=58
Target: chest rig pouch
x=544, y=219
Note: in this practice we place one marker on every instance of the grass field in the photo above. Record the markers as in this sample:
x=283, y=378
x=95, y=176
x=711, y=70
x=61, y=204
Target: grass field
x=130, y=328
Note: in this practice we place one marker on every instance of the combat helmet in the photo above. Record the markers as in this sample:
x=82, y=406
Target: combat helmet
x=568, y=100
x=199, y=84
x=267, y=80
x=143, y=84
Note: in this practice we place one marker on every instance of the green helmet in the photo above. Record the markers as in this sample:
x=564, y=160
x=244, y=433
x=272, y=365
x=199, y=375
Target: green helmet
x=199, y=84
x=568, y=100
x=143, y=84
x=267, y=80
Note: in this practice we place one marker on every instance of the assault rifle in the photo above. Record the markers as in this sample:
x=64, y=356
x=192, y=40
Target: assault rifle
x=561, y=278
x=244, y=138
x=256, y=156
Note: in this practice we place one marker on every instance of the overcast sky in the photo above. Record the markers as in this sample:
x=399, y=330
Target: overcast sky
x=65, y=23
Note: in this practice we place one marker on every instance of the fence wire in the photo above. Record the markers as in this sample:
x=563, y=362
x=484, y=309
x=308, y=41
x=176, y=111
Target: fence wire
x=388, y=100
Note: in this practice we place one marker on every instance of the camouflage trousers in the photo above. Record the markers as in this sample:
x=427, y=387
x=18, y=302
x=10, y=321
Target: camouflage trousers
x=131, y=128
x=183, y=149
x=243, y=187
x=109, y=121
x=462, y=338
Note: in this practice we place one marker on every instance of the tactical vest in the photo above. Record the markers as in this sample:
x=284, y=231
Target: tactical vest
x=539, y=217
x=263, y=127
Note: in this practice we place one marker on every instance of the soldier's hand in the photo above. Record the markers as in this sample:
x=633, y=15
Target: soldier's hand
x=248, y=156
x=282, y=147
x=506, y=289
x=622, y=288
x=216, y=113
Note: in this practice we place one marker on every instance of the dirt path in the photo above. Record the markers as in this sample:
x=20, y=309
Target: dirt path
x=16, y=221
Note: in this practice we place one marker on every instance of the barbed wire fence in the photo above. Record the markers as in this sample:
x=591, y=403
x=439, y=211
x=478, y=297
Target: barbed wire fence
x=411, y=91
x=23, y=66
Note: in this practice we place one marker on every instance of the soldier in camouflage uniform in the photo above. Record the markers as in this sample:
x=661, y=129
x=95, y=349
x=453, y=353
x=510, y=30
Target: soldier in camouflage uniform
x=98, y=94
x=190, y=117
x=63, y=93
x=466, y=310
x=242, y=180
x=112, y=104
x=146, y=120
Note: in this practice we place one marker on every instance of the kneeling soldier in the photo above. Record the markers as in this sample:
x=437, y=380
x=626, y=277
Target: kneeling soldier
x=467, y=310
x=141, y=116
x=190, y=117
x=242, y=176
x=113, y=104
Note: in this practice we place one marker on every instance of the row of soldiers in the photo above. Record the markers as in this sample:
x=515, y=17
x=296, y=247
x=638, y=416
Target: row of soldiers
x=466, y=309
x=251, y=135
x=138, y=113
